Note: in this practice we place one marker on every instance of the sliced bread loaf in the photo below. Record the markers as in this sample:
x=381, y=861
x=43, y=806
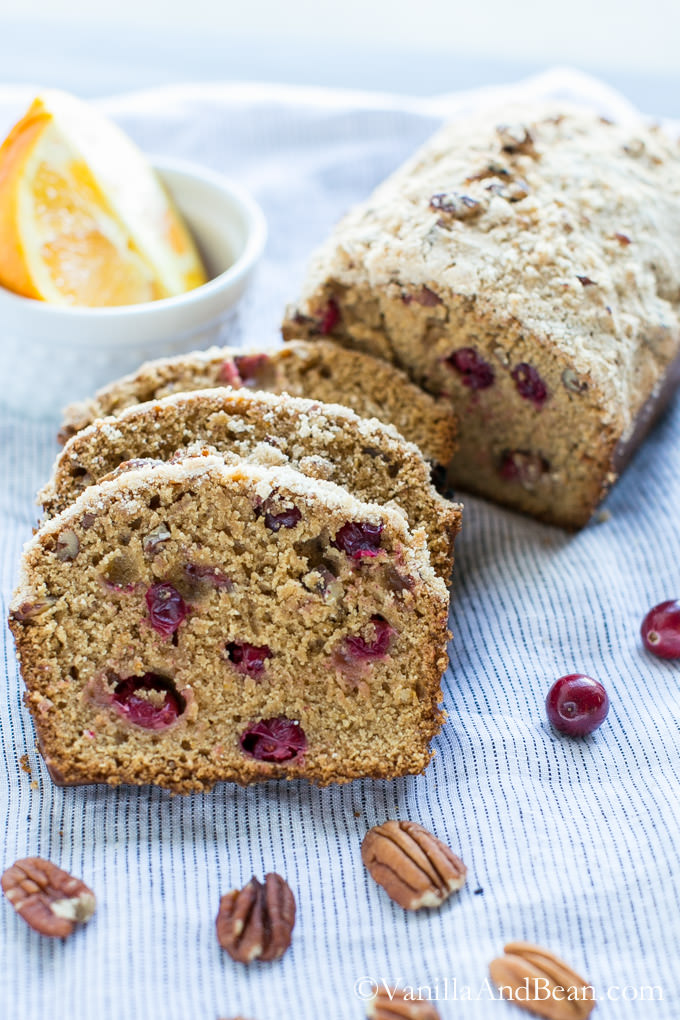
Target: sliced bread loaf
x=526, y=264
x=325, y=441
x=321, y=371
x=187, y=623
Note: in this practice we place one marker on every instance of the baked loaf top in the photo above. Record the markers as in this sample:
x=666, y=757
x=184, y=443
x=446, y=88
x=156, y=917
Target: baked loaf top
x=555, y=219
x=321, y=371
x=325, y=441
x=188, y=623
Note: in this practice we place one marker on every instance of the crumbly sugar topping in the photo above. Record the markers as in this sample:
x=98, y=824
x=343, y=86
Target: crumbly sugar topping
x=581, y=253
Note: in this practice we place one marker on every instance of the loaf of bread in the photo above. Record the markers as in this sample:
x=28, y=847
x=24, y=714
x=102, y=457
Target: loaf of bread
x=526, y=264
x=369, y=459
x=371, y=387
x=187, y=623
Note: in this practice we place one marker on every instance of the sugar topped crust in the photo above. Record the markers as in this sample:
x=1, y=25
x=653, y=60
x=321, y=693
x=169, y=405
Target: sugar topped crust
x=124, y=490
x=587, y=259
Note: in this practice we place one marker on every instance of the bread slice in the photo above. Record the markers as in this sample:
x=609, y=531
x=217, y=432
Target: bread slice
x=325, y=441
x=321, y=371
x=188, y=623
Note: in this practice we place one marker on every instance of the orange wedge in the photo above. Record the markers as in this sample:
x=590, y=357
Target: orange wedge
x=83, y=218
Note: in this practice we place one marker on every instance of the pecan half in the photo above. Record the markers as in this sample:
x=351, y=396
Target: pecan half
x=492, y=169
x=256, y=922
x=50, y=900
x=541, y=983
x=130, y=465
x=421, y=296
x=391, y=1003
x=414, y=867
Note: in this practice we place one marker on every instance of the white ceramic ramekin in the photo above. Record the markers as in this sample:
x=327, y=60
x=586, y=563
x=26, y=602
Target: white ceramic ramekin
x=51, y=355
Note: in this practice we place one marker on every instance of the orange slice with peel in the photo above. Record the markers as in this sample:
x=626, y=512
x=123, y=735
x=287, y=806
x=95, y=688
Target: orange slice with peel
x=83, y=218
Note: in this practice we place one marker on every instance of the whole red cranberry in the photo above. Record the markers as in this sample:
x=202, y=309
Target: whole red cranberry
x=140, y=710
x=577, y=704
x=167, y=608
x=276, y=740
x=661, y=630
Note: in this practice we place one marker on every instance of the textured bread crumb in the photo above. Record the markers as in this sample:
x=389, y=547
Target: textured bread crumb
x=323, y=371
x=83, y=626
x=369, y=458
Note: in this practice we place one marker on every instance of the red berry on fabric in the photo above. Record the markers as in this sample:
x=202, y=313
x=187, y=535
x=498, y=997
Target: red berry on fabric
x=661, y=630
x=577, y=704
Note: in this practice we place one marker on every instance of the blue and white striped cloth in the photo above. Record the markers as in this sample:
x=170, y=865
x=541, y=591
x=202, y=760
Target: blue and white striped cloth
x=571, y=844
